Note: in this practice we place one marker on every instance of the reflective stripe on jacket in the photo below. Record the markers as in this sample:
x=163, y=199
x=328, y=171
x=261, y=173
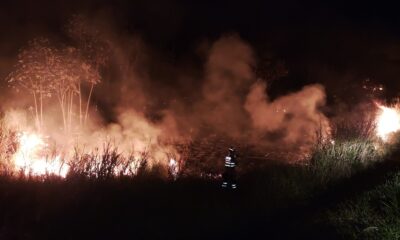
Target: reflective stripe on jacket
x=229, y=162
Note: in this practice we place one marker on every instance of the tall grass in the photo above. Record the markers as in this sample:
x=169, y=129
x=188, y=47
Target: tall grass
x=8, y=146
x=106, y=163
x=373, y=215
x=341, y=159
x=352, y=148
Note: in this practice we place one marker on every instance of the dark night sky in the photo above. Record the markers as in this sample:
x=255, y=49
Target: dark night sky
x=333, y=42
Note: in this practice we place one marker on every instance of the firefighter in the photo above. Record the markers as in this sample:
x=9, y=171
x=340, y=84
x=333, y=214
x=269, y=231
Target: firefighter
x=229, y=176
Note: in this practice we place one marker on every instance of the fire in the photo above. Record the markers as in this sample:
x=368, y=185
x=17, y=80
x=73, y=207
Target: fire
x=30, y=157
x=173, y=167
x=388, y=122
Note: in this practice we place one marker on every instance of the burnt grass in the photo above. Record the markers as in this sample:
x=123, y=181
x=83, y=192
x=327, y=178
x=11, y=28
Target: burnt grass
x=275, y=202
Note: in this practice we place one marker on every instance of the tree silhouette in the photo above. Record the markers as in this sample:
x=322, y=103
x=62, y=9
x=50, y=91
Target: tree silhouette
x=94, y=48
x=32, y=73
x=45, y=70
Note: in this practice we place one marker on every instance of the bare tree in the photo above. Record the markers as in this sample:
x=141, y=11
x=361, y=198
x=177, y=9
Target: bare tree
x=94, y=48
x=32, y=73
x=73, y=71
x=44, y=70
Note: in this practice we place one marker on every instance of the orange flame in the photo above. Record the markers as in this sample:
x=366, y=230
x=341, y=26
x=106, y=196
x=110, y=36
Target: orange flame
x=30, y=160
x=387, y=122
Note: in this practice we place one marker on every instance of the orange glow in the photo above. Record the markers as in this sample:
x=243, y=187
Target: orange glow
x=173, y=167
x=30, y=159
x=388, y=122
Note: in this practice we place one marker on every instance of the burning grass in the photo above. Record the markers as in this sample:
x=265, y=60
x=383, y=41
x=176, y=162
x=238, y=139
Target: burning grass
x=30, y=155
x=356, y=144
x=105, y=177
x=64, y=140
x=107, y=163
x=388, y=122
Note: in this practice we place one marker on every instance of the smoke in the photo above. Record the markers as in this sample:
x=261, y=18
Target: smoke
x=124, y=100
x=228, y=75
x=233, y=104
x=291, y=122
x=134, y=134
x=137, y=109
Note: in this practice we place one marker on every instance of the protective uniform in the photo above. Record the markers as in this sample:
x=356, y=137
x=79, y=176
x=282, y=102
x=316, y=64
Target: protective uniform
x=229, y=176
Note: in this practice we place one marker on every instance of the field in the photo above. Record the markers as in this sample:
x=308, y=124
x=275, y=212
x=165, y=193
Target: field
x=346, y=191
x=110, y=133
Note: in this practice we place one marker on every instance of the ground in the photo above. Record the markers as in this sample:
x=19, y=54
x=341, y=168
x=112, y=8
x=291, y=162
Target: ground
x=280, y=201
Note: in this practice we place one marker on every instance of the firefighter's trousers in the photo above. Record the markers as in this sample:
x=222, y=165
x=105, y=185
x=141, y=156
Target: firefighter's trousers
x=229, y=178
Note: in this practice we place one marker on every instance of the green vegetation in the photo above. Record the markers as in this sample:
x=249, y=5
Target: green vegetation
x=374, y=214
x=342, y=159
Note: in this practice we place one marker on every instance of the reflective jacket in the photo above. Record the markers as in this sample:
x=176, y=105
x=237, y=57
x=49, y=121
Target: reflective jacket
x=230, y=161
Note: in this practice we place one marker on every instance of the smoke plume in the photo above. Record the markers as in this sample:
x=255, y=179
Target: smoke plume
x=291, y=122
x=137, y=108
